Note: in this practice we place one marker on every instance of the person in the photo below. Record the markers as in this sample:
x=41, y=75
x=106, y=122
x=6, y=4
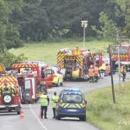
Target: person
x=91, y=73
x=96, y=73
x=123, y=72
x=42, y=87
x=44, y=102
x=54, y=101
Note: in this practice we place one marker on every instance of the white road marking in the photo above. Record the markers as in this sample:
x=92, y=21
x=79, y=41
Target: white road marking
x=41, y=124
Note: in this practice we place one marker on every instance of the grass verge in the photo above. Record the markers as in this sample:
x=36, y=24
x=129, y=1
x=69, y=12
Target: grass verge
x=46, y=51
x=106, y=115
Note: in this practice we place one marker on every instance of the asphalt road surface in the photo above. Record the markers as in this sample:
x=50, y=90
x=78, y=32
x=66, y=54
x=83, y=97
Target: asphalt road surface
x=29, y=119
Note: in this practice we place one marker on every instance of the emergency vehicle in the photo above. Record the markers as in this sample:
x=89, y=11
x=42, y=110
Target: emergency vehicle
x=30, y=75
x=76, y=62
x=121, y=53
x=29, y=78
x=9, y=94
x=72, y=103
x=52, y=77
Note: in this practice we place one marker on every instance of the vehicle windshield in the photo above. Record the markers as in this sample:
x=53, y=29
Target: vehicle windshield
x=72, y=98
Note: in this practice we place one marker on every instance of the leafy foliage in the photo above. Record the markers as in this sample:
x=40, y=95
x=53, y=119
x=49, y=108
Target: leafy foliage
x=37, y=20
x=8, y=58
x=9, y=34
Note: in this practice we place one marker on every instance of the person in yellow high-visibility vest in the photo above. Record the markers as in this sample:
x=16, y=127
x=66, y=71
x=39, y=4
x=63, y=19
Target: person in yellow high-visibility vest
x=44, y=102
x=54, y=102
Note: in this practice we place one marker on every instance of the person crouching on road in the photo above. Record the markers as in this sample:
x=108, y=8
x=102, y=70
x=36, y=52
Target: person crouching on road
x=54, y=101
x=44, y=102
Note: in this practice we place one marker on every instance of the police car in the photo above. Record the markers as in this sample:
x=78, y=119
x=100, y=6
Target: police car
x=71, y=103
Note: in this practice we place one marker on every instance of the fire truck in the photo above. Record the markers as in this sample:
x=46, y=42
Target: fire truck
x=76, y=62
x=52, y=77
x=121, y=53
x=28, y=76
x=31, y=77
x=10, y=100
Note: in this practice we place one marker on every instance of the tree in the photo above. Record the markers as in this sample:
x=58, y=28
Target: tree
x=125, y=8
x=9, y=35
x=108, y=27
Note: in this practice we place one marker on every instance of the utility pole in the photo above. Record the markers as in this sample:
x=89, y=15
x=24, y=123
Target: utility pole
x=84, y=24
x=111, y=73
x=119, y=62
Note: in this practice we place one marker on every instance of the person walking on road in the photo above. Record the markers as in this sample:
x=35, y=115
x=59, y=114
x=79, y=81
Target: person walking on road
x=44, y=102
x=123, y=72
x=54, y=101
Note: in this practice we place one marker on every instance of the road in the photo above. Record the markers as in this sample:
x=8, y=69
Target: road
x=30, y=120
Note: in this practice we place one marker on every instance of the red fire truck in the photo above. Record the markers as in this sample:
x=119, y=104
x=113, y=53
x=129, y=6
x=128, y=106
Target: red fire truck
x=29, y=78
x=76, y=62
x=10, y=99
x=121, y=53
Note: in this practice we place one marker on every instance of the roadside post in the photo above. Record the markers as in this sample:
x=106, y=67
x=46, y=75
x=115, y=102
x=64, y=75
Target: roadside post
x=111, y=73
x=119, y=64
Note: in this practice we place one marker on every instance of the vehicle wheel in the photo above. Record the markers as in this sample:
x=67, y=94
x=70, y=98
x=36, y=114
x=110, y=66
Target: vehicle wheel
x=58, y=117
x=61, y=84
x=18, y=112
x=83, y=118
x=9, y=110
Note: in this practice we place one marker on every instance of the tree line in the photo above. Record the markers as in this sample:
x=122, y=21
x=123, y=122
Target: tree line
x=37, y=20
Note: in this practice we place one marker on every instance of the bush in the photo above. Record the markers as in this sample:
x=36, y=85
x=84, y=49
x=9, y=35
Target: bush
x=8, y=58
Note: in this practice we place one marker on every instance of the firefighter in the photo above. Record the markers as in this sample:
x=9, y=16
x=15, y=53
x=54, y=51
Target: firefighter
x=54, y=101
x=44, y=102
x=107, y=72
x=102, y=70
x=123, y=72
x=96, y=73
x=41, y=87
x=91, y=73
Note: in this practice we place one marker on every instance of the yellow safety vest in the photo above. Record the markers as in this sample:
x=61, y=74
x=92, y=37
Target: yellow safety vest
x=54, y=101
x=43, y=100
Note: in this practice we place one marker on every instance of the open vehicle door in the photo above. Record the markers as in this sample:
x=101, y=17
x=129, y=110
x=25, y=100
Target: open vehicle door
x=28, y=92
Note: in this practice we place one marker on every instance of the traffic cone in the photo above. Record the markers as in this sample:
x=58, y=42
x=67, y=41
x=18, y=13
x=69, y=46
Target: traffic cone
x=21, y=114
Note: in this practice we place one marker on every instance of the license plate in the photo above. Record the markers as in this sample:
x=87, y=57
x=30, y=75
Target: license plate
x=72, y=110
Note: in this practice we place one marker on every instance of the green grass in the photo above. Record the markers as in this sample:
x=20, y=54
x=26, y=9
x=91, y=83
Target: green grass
x=106, y=115
x=46, y=51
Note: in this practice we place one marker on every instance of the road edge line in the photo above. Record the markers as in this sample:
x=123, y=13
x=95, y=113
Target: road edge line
x=36, y=117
